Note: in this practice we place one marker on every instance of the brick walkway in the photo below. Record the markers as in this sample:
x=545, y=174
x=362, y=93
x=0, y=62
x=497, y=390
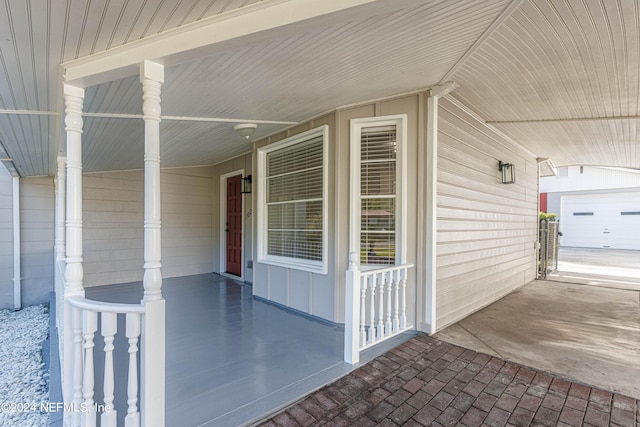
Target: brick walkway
x=427, y=382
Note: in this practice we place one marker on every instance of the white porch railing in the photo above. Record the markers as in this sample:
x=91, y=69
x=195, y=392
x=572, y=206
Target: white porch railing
x=376, y=306
x=84, y=327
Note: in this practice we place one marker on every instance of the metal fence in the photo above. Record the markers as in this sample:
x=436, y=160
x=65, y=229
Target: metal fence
x=548, y=253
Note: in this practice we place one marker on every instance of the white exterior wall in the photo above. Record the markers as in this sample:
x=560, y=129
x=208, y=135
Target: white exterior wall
x=187, y=227
x=6, y=239
x=37, y=223
x=310, y=293
x=113, y=205
x=486, y=230
x=112, y=227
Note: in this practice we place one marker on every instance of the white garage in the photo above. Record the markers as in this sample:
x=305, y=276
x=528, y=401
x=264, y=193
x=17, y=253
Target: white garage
x=601, y=220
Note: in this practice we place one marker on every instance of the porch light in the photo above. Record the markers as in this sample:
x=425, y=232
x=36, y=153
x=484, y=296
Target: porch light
x=246, y=129
x=246, y=185
x=508, y=173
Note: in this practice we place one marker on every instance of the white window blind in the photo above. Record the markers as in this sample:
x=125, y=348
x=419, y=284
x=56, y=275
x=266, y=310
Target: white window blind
x=378, y=150
x=294, y=200
x=292, y=203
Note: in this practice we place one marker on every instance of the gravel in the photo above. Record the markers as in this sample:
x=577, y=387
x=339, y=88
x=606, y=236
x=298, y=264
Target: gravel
x=23, y=382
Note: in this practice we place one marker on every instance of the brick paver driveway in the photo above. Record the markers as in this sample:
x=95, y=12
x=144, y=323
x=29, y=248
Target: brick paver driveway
x=427, y=382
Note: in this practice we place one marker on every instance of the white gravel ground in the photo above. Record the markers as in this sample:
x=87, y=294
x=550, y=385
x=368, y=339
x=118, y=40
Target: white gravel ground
x=23, y=386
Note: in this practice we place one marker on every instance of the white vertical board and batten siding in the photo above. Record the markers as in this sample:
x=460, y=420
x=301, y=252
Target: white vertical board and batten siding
x=308, y=292
x=114, y=219
x=486, y=230
x=323, y=295
x=6, y=239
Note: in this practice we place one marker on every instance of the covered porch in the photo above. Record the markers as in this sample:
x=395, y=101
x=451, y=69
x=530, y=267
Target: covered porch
x=231, y=359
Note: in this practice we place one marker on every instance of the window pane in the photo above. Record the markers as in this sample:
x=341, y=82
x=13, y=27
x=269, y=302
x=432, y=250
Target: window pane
x=378, y=178
x=295, y=244
x=305, y=184
x=378, y=142
x=295, y=216
x=378, y=231
x=304, y=155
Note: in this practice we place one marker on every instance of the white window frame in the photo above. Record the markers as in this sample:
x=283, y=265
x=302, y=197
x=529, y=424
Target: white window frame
x=263, y=256
x=400, y=121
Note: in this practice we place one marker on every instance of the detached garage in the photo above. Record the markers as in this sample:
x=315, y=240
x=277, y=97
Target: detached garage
x=601, y=220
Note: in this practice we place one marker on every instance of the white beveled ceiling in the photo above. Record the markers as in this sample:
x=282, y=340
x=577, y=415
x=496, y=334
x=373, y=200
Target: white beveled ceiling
x=560, y=77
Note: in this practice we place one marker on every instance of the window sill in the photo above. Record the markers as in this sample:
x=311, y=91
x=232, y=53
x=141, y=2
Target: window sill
x=295, y=264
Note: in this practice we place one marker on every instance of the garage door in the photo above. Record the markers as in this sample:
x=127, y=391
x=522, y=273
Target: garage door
x=601, y=221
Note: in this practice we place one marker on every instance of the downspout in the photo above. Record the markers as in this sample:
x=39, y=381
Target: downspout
x=17, y=286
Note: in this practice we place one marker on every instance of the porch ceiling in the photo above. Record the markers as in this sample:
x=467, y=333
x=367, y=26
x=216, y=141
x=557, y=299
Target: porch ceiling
x=560, y=78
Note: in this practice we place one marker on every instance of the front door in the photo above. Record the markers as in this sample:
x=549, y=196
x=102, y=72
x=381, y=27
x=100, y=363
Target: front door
x=233, y=227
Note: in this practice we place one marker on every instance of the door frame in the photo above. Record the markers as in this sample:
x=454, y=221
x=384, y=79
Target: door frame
x=223, y=216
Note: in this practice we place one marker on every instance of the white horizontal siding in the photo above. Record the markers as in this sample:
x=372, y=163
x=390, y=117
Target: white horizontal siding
x=485, y=230
x=36, y=236
x=187, y=221
x=114, y=224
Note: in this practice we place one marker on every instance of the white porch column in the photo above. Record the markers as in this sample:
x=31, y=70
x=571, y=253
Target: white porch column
x=74, y=273
x=431, y=204
x=431, y=178
x=60, y=195
x=153, y=333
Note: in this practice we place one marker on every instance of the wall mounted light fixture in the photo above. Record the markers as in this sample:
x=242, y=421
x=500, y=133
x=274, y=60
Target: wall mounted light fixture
x=246, y=185
x=507, y=173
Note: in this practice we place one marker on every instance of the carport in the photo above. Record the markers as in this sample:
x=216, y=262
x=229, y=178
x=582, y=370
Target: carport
x=588, y=333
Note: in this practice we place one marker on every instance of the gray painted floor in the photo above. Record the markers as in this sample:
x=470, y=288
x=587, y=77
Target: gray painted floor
x=587, y=334
x=231, y=359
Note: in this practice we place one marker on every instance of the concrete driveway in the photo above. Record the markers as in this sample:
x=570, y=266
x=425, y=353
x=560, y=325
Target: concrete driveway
x=587, y=334
x=599, y=267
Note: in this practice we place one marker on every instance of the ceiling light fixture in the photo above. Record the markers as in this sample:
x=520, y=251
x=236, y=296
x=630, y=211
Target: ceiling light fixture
x=246, y=129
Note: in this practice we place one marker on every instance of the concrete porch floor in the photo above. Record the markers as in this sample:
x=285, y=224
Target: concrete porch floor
x=588, y=334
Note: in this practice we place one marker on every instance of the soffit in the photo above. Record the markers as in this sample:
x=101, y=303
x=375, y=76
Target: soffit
x=562, y=78
x=559, y=77
x=290, y=75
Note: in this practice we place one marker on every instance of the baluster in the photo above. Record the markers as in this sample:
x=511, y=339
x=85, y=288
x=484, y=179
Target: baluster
x=77, y=364
x=363, y=308
x=372, y=309
x=387, y=324
x=403, y=313
x=396, y=302
x=89, y=328
x=133, y=332
x=108, y=329
x=380, y=329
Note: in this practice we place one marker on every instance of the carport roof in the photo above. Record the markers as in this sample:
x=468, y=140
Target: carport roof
x=561, y=78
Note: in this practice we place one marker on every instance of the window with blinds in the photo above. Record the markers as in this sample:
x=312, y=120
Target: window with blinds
x=293, y=203
x=377, y=146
